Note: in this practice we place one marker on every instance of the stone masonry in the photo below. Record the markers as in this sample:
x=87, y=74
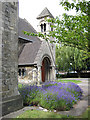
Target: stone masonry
x=11, y=99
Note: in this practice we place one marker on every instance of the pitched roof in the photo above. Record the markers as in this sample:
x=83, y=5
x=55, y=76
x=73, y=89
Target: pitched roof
x=30, y=50
x=45, y=13
x=24, y=25
x=29, y=53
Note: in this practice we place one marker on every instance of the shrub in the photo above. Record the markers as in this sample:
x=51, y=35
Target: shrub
x=52, y=95
x=55, y=97
x=60, y=96
x=30, y=94
x=75, y=89
x=47, y=84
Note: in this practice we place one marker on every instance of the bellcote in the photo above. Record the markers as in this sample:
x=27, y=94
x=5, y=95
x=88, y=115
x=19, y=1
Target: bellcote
x=43, y=25
x=45, y=13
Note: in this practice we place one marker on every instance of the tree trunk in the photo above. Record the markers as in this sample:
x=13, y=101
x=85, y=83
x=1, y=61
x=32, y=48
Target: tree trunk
x=78, y=73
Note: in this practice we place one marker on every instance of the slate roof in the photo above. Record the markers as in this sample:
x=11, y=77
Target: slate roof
x=24, y=25
x=30, y=50
x=45, y=13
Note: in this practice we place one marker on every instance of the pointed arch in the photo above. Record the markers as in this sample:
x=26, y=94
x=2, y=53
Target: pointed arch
x=45, y=69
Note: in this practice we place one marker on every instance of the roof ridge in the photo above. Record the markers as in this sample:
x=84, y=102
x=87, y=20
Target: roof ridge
x=45, y=13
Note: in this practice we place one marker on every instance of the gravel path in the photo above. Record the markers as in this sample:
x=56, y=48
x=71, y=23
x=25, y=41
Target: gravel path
x=78, y=109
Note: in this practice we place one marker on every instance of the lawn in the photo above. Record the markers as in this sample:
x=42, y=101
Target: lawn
x=74, y=81
x=42, y=114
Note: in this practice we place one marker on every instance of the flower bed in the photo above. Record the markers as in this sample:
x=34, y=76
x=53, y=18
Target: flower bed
x=52, y=95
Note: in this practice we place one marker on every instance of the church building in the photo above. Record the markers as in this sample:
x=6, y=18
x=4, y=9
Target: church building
x=36, y=55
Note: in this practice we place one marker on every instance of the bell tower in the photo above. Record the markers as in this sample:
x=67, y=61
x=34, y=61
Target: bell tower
x=47, y=47
x=43, y=25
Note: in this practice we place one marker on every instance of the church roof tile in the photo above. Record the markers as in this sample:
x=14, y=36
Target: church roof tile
x=30, y=50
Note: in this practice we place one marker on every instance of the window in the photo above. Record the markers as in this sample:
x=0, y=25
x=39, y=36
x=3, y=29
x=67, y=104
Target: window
x=23, y=72
x=41, y=27
x=19, y=72
x=44, y=27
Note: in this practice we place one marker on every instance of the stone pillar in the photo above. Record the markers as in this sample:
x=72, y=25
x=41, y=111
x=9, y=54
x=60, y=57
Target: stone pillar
x=11, y=99
x=39, y=75
x=53, y=74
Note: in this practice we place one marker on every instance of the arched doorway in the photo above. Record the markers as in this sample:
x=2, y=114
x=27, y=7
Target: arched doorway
x=45, y=69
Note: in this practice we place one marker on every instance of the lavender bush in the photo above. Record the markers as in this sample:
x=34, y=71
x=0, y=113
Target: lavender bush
x=29, y=94
x=52, y=95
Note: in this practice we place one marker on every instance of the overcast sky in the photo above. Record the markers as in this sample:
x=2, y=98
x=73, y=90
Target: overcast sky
x=30, y=9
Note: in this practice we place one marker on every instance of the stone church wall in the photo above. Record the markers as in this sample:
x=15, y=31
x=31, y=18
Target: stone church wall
x=30, y=75
x=46, y=50
x=34, y=75
x=11, y=99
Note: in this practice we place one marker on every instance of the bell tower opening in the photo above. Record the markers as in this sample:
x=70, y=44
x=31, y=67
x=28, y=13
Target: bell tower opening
x=44, y=27
x=41, y=27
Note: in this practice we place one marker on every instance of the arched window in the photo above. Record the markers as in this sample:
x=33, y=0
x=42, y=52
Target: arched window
x=44, y=27
x=41, y=27
x=19, y=72
x=23, y=72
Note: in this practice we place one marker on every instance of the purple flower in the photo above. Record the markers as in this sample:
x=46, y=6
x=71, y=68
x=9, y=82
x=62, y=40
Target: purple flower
x=52, y=94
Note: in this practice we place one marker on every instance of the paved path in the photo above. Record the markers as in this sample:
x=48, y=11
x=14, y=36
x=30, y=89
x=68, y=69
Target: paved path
x=78, y=109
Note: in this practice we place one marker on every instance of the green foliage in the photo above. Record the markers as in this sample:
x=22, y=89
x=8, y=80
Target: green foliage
x=30, y=94
x=71, y=30
x=70, y=58
x=51, y=104
x=59, y=96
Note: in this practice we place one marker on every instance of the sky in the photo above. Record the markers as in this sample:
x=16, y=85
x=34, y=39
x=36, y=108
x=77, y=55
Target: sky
x=30, y=9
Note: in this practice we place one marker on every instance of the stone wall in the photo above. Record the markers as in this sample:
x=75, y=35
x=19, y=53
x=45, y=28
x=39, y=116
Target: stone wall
x=0, y=59
x=30, y=76
x=9, y=57
x=46, y=50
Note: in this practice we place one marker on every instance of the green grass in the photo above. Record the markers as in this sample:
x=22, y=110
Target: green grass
x=74, y=81
x=41, y=114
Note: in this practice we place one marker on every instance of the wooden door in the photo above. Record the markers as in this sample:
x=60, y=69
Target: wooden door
x=43, y=71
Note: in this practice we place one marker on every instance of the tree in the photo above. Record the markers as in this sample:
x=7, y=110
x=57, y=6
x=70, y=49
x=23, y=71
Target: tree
x=71, y=30
x=70, y=59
